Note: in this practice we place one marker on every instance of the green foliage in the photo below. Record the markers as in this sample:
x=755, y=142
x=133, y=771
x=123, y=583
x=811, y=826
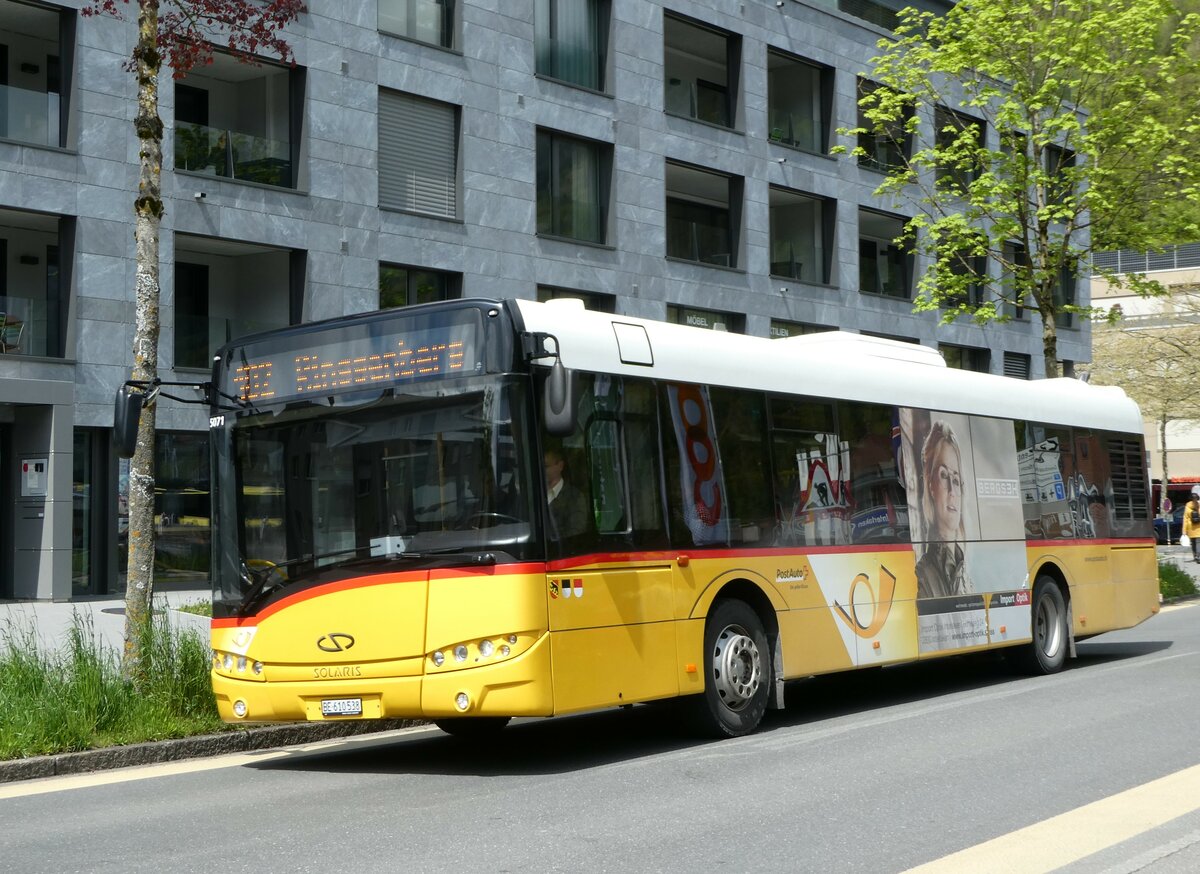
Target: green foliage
x=1173, y=581
x=1087, y=144
x=197, y=608
x=76, y=699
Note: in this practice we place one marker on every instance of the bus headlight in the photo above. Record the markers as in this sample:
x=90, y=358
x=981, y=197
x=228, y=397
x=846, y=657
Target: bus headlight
x=462, y=701
x=470, y=653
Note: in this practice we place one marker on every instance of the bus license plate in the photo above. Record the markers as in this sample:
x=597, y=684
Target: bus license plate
x=341, y=707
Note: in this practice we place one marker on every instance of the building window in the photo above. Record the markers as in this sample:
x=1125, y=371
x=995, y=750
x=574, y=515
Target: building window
x=702, y=215
x=428, y=21
x=35, y=66
x=418, y=155
x=35, y=259
x=1064, y=295
x=801, y=231
x=966, y=357
x=799, y=102
x=701, y=69
x=880, y=14
x=884, y=150
x=225, y=289
x=601, y=303
x=1016, y=365
x=401, y=286
x=1059, y=162
x=954, y=173
x=965, y=265
x=240, y=121
x=572, y=38
x=883, y=266
x=781, y=329
x=697, y=318
x=573, y=178
x=1014, y=255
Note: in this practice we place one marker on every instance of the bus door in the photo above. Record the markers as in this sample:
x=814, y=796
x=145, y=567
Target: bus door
x=609, y=592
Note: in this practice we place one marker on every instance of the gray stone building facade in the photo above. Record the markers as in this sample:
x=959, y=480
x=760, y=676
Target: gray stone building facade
x=663, y=158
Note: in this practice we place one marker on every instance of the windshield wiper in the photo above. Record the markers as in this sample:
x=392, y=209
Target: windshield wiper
x=258, y=578
x=469, y=557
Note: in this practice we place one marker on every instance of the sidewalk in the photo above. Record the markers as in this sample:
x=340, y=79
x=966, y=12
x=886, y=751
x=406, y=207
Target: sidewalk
x=52, y=621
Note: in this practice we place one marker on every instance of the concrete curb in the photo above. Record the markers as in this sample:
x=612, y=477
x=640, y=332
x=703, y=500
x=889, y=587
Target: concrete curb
x=233, y=741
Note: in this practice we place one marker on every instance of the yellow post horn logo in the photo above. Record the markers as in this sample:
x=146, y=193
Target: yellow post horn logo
x=883, y=604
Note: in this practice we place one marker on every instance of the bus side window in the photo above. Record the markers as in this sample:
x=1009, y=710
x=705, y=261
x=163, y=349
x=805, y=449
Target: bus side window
x=739, y=418
x=1129, y=511
x=1092, y=491
x=811, y=483
x=606, y=474
x=879, y=502
x=640, y=430
x=1051, y=473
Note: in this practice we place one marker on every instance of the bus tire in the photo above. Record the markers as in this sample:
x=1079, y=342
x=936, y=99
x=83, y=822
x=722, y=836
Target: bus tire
x=473, y=726
x=1048, y=652
x=737, y=671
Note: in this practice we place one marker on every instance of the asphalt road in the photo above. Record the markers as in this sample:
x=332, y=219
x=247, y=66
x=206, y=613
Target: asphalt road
x=1096, y=769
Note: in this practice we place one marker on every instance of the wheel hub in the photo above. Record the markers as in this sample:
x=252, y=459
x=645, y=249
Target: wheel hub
x=737, y=667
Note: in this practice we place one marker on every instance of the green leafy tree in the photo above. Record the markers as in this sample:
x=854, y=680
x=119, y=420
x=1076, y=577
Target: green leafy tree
x=180, y=33
x=1090, y=145
x=1153, y=360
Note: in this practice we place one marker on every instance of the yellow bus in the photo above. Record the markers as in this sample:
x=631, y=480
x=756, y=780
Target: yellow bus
x=480, y=509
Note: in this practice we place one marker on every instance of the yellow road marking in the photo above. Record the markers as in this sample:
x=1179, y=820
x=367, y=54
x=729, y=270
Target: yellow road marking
x=1067, y=838
x=191, y=766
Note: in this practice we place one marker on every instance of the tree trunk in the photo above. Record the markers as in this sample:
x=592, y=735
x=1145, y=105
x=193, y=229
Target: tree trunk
x=1162, y=448
x=1050, y=341
x=148, y=207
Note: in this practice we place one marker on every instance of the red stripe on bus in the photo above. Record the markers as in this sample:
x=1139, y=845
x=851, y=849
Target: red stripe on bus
x=702, y=553
x=1079, y=541
x=378, y=580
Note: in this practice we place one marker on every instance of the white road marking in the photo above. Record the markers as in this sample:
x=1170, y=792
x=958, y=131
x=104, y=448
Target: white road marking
x=1078, y=833
x=191, y=766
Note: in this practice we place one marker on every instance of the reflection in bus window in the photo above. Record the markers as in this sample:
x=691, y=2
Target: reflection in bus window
x=384, y=478
x=811, y=464
x=879, y=503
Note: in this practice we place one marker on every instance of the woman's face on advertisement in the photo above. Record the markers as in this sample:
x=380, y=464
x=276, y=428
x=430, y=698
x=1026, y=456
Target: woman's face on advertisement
x=947, y=492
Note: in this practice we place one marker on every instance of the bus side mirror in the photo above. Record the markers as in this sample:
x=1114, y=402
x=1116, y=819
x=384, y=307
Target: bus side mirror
x=559, y=400
x=127, y=414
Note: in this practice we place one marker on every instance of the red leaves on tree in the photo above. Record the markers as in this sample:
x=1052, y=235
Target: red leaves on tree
x=188, y=30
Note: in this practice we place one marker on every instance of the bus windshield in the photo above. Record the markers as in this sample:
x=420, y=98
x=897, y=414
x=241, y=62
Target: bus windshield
x=324, y=491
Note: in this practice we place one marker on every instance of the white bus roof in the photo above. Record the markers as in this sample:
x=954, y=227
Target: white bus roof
x=833, y=364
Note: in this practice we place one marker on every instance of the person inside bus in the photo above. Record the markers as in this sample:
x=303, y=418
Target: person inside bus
x=1191, y=521
x=941, y=570
x=568, y=509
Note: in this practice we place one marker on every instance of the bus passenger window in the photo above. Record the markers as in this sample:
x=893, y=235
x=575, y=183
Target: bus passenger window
x=879, y=501
x=740, y=421
x=812, y=496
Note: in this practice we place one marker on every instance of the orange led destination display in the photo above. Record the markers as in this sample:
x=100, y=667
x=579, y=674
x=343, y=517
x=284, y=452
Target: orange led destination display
x=351, y=363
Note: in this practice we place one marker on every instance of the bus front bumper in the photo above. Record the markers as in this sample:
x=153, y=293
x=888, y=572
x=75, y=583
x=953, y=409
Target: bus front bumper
x=520, y=687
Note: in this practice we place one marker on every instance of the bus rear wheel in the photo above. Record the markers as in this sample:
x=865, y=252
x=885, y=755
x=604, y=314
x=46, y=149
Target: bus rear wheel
x=737, y=671
x=473, y=726
x=1048, y=652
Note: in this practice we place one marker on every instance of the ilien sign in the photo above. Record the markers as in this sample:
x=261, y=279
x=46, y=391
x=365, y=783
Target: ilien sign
x=347, y=362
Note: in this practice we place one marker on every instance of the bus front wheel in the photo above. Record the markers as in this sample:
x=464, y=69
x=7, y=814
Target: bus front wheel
x=1048, y=652
x=737, y=671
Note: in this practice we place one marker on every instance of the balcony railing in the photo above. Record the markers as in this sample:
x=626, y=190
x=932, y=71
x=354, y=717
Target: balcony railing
x=233, y=155
x=23, y=326
x=29, y=116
